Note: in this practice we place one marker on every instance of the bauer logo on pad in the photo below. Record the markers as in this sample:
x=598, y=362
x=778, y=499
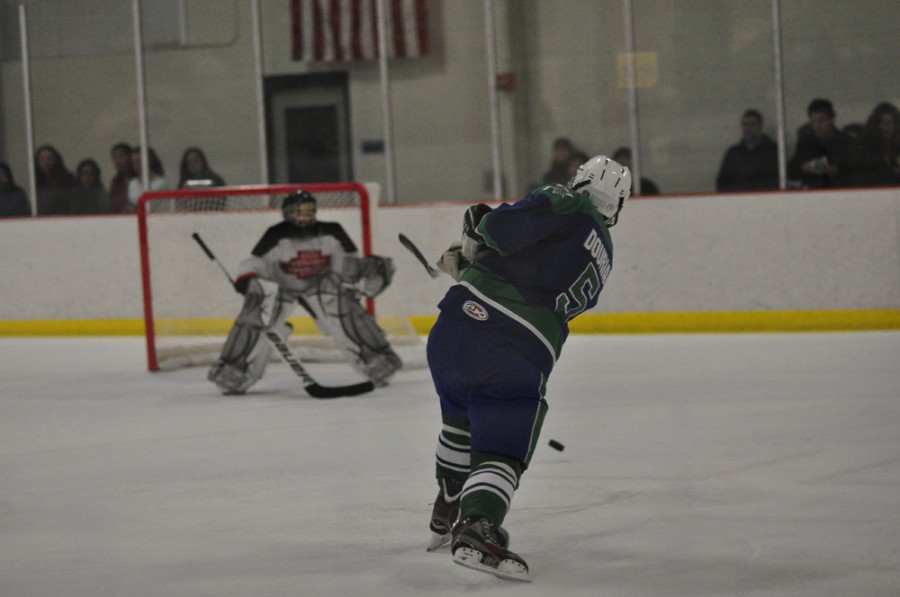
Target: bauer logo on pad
x=475, y=311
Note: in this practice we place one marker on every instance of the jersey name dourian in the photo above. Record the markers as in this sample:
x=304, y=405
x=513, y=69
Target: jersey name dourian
x=601, y=258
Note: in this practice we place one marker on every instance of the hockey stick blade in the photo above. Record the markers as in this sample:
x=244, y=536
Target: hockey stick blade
x=317, y=391
x=412, y=248
x=313, y=388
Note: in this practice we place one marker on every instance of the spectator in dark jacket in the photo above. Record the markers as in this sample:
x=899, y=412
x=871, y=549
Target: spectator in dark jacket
x=820, y=158
x=623, y=156
x=752, y=164
x=559, y=164
x=90, y=196
x=195, y=170
x=118, y=186
x=54, y=182
x=875, y=154
x=13, y=200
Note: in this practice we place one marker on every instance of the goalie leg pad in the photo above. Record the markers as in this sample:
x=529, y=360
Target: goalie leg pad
x=381, y=367
x=355, y=332
x=246, y=353
x=231, y=379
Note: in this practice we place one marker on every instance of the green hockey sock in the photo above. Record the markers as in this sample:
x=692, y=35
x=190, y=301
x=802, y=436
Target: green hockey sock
x=489, y=489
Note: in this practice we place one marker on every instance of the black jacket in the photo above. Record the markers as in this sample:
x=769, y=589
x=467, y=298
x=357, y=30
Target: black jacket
x=745, y=169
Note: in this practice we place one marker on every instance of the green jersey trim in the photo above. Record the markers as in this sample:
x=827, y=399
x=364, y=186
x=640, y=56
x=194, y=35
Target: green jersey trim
x=540, y=321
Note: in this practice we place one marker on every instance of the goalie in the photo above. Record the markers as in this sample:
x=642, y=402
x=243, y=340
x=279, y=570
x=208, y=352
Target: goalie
x=316, y=265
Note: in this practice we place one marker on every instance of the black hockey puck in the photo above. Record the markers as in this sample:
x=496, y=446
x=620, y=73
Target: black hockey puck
x=556, y=445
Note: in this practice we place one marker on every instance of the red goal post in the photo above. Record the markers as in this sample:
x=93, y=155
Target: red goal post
x=188, y=305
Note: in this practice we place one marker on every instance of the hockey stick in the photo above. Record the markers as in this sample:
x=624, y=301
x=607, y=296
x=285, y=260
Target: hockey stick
x=312, y=387
x=212, y=257
x=309, y=384
x=432, y=271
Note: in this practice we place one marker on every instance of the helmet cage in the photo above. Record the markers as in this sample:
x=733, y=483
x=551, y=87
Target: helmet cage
x=296, y=198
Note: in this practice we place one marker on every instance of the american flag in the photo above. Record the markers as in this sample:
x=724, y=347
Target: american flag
x=334, y=30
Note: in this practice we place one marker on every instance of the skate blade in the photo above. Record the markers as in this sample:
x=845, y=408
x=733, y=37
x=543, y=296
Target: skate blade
x=437, y=541
x=507, y=569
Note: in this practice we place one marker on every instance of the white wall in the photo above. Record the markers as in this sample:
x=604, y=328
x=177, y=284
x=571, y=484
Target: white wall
x=793, y=251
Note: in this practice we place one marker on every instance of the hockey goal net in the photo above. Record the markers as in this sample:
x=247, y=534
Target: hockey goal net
x=189, y=305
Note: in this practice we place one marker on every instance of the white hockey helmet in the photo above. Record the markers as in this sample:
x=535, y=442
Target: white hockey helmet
x=606, y=182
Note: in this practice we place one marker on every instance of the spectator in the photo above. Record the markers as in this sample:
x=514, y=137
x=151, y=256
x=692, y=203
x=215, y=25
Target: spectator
x=821, y=156
x=13, y=200
x=118, y=186
x=875, y=155
x=156, y=171
x=90, y=195
x=852, y=132
x=578, y=158
x=195, y=171
x=54, y=182
x=559, y=165
x=623, y=156
x=751, y=164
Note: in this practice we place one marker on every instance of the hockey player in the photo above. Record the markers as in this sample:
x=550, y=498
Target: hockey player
x=524, y=271
x=316, y=265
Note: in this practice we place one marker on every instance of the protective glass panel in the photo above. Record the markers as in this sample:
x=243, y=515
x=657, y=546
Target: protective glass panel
x=561, y=74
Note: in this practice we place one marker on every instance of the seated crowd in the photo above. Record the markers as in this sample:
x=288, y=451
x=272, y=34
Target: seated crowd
x=824, y=156
x=62, y=192
x=566, y=160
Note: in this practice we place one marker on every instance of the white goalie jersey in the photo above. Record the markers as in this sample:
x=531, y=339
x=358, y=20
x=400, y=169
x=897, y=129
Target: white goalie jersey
x=296, y=258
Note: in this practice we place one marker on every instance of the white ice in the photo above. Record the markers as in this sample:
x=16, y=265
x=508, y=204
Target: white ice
x=695, y=465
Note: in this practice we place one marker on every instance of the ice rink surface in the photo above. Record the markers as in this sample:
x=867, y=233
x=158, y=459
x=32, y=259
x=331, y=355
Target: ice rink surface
x=695, y=465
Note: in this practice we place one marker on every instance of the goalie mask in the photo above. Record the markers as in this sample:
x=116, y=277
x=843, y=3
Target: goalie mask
x=299, y=208
x=607, y=183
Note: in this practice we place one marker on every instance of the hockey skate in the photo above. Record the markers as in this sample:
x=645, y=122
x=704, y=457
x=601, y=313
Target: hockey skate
x=481, y=545
x=445, y=513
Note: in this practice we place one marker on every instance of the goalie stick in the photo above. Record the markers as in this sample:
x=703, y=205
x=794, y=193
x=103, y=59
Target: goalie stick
x=312, y=387
x=410, y=245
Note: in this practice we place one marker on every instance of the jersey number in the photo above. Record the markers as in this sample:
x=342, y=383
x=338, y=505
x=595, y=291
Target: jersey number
x=580, y=294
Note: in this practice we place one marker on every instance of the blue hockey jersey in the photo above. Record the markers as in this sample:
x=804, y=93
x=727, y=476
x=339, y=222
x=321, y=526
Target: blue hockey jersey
x=551, y=256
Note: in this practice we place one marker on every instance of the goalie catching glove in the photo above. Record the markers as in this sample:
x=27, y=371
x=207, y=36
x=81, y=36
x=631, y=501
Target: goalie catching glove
x=371, y=275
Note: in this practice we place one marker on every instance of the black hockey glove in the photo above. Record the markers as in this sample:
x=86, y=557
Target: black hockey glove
x=471, y=220
x=242, y=284
x=472, y=241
